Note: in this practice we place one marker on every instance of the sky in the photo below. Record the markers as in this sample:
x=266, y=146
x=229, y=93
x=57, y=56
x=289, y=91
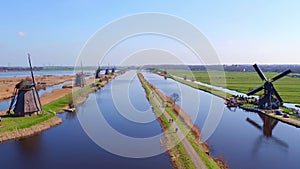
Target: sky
x=241, y=32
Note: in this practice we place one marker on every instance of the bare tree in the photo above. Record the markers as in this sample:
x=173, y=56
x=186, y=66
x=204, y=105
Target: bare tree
x=175, y=97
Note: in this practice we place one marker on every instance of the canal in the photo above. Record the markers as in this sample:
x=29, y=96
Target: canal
x=68, y=145
x=245, y=139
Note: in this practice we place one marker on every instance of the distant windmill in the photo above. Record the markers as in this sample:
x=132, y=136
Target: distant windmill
x=271, y=98
x=106, y=71
x=97, y=74
x=25, y=100
x=79, y=78
x=113, y=70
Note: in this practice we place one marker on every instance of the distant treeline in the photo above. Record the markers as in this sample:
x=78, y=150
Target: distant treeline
x=235, y=68
x=5, y=69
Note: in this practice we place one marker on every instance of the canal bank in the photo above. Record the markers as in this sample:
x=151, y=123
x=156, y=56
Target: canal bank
x=236, y=140
x=188, y=151
x=20, y=127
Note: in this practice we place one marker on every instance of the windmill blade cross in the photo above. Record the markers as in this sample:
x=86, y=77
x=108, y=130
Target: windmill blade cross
x=252, y=92
x=12, y=100
x=277, y=95
x=260, y=73
x=281, y=75
x=33, y=81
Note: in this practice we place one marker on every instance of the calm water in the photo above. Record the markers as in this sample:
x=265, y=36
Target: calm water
x=241, y=143
x=68, y=146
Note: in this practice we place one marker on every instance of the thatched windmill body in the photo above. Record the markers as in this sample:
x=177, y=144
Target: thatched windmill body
x=25, y=100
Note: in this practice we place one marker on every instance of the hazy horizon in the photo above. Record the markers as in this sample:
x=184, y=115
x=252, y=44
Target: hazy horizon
x=91, y=66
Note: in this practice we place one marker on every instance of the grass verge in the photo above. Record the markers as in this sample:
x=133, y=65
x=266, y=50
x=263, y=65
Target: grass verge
x=16, y=123
x=218, y=93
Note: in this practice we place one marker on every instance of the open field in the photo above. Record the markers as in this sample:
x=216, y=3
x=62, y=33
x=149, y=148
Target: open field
x=7, y=85
x=288, y=87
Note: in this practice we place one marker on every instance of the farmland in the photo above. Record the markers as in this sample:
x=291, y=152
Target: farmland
x=288, y=87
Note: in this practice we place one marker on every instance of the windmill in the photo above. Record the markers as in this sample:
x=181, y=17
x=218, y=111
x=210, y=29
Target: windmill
x=113, y=70
x=270, y=99
x=26, y=100
x=79, y=78
x=106, y=71
x=97, y=75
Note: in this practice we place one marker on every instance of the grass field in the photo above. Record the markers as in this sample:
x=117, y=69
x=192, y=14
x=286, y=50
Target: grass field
x=15, y=123
x=288, y=87
x=11, y=123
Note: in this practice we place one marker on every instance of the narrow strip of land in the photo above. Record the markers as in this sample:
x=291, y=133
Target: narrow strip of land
x=181, y=127
x=294, y=121
x=186, y=144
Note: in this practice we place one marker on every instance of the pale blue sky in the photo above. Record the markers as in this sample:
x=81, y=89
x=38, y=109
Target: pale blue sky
x=240, y=31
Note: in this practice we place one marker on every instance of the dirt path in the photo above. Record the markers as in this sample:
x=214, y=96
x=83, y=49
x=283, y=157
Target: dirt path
x=186, y=144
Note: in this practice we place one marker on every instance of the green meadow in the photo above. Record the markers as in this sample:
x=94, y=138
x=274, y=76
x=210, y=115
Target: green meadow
x=288, y=87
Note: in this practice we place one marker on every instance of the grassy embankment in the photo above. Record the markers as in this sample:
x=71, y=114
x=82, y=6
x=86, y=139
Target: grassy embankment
x=16, y=123
x=288, y=87
x=183, y=160
x=218, y=93
x=208, y=161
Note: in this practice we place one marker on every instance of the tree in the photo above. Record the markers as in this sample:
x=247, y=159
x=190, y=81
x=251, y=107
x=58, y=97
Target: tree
x=175, y=97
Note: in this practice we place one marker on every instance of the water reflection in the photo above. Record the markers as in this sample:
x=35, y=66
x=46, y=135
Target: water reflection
x=70, y=115
x=30, y=147
x=232, y=109
x=267, y=128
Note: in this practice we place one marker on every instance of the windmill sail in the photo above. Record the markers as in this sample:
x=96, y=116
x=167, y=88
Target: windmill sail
x=34, y=84
x=259, y=72
x=281, y=75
